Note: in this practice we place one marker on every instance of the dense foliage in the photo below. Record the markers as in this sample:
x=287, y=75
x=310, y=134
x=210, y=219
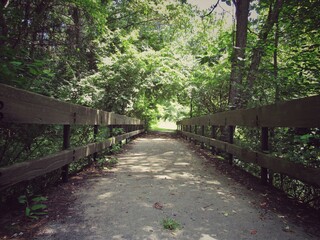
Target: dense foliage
x=133, y=56
x=161, y=59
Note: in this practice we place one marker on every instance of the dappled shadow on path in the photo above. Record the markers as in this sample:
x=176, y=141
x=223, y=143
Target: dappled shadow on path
x=161, y=171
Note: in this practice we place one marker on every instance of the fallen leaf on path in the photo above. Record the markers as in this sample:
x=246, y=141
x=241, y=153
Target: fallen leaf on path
x=158, y=205
x=253, y=232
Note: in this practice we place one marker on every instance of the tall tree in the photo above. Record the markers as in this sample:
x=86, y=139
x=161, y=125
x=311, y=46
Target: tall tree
x=273, y=15
x=238, y=56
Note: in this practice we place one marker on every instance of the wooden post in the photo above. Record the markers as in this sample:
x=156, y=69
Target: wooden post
x=264, y=148
x=196, y=132
x=120, y=126
x=187, y=130
x=95, y=133
x=110, y=135
x=110, y=130
x=213, y=135
x=66, y=145
x=130, y=130
x=126, y=129
x=202, y=134
x=230, y=140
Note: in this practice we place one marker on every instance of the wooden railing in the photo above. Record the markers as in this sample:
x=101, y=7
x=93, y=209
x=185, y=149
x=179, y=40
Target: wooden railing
x=300, y=113
x=23, y=107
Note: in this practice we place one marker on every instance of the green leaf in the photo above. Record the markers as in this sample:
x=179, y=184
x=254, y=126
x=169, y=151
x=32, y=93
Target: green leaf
x=22, y=199
x=38, y=206
x=39, y=199
x=16, y=63
x=33, y=71
x=28, y=212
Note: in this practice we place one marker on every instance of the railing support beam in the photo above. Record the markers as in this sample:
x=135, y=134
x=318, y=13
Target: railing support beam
x=264, y=148
x=213, y=135
x=202, y=134
x=95, y=134
x=66, y=145
x=230, y=140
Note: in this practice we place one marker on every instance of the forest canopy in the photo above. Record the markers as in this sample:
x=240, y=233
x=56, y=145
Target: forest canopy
x=162, y=59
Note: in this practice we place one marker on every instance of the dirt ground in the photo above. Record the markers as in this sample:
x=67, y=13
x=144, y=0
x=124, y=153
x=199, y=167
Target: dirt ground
x=160, y=177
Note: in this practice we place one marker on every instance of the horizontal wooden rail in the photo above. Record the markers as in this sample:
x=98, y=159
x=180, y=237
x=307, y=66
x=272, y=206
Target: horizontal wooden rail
x=299, y=113
x=23, y=107
x=277, y=164
x=30, y=169
x=303, y=112
x=20, y=106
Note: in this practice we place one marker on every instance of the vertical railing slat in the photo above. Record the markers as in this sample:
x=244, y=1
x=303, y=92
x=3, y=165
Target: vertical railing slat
x=66, y=145
x=264, y=148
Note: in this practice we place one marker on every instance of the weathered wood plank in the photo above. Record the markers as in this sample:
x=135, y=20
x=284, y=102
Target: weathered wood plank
x=20, y=106
x=303, y=112
x=292, y=169
x=30, y=169
x=280, y=165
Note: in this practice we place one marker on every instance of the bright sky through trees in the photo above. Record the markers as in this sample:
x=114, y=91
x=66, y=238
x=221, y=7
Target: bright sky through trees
x=222, y=9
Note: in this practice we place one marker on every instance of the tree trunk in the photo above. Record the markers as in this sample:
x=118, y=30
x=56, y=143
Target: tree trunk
x=76, y=30
x=273, y=15
x=238, y=55
x=3, y=24
x=275, y=63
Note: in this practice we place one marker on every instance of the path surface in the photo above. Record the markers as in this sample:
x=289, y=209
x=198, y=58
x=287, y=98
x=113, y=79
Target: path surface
x=162, y=172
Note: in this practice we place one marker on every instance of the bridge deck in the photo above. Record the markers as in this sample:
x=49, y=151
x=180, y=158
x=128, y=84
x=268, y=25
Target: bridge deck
x=159, y=177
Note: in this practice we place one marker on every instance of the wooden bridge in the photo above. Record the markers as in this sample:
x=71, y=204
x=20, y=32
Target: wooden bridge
x=22, y=107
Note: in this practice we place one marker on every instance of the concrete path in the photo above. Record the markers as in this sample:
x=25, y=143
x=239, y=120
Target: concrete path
x=160, y=178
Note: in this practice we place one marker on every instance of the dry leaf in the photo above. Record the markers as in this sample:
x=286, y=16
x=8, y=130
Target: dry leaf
x=253, y=232
x=158, y=205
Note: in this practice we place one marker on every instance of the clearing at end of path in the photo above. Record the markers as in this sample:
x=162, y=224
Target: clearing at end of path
x=158, y=177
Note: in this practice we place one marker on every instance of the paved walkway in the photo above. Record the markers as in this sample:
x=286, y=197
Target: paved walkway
x=159, y=178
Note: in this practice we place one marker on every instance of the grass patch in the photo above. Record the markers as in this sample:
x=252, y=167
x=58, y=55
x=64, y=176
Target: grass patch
x=112, y=162
x=170, y=224
x=109, y=162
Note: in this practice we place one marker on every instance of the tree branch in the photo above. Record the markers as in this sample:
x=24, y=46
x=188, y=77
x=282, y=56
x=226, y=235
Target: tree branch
x=213, y=7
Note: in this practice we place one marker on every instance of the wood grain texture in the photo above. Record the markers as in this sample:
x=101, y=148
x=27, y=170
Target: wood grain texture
x=20, y=106
x=30, y=169
x=303, y=112
x=279, y=165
